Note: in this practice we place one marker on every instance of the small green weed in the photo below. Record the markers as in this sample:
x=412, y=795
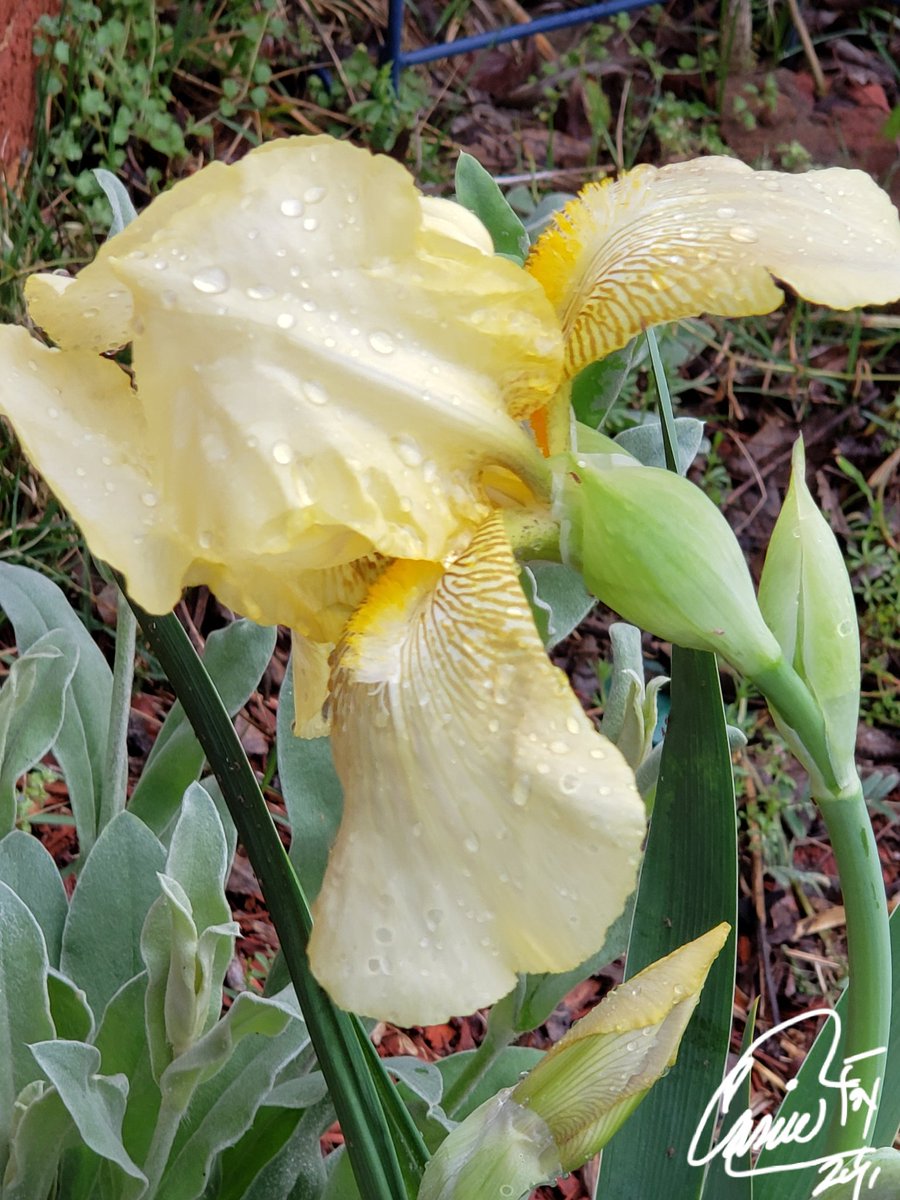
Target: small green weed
x=874, y=565
x=363, y=93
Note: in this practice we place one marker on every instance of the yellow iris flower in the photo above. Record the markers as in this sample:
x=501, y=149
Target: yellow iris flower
x=326, y=420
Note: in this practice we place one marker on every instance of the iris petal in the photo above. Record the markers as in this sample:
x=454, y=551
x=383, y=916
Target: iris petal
x=488, y=828
x=81, y=426
x=707, y=236
x=325, y=368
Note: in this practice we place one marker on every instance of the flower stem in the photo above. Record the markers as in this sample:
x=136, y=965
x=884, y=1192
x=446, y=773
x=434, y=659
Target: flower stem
x=500, y=1032
x=867, y=1027
x=790, y=700
x=359, y=1097
x=115, y=768
x=852, y=840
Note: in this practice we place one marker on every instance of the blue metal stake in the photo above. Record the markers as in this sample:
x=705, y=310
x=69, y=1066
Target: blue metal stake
x=480, y=41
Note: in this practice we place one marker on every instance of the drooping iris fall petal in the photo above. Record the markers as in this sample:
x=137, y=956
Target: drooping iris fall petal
x=76, y=418
x=323, y=368
x=488, y=828
x=661, y=244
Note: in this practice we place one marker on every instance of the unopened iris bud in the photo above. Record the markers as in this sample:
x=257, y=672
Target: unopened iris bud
x=807, y=601
x=582, y=1091
x=655, y=549
x=872, y=1174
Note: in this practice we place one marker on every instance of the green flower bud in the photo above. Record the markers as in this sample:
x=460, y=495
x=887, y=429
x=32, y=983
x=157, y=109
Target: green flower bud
x=502, y=1149
x=585, y=1087
x=873, y=1174
x=593, y=1078
x=807, y=601
x=655, y=549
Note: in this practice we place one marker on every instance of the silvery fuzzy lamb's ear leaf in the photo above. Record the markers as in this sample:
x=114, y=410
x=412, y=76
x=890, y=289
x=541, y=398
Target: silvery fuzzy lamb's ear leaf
x=117, y=885
x=35, y=606
x=646, y=444
x=30, y=871
x=42, y=1131
x=23, y=974
x=32, y=704
x=95, y=1102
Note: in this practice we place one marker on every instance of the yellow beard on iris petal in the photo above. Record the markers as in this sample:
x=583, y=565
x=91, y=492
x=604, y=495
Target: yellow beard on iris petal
x=488, y=828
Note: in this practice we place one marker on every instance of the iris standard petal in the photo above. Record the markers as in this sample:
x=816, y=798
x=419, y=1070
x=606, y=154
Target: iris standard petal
x=93, y=311
x=707, y=236
x=348, y=362
x=325, y=369
x=488, y=828
x=79, y=424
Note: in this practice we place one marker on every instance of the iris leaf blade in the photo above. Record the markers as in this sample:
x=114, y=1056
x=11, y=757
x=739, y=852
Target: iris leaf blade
x=688, y=884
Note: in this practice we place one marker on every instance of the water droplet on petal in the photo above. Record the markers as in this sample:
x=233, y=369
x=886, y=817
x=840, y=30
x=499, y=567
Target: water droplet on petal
x=381, y=342
x=285, y=320
x=383, y=935
x=433, y=917
x=845, y=628
x=559, y=747
x=310, y=223
x=90, y=313
x=315, y=393
x=204, y=539
x=745, y=234
x=150, y=499
x=291, y=207
x=212, y=281
x=408, y=450
x=521, y=790
x=472, y=844
x=313, y=195
x=263, y=292
x=726, y=213
x=282, y=453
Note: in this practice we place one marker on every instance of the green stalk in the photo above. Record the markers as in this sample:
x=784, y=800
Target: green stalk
x=115, y=768
x=867, y=1026
x=359, y=1098
x=790, y=698
x=868, y=1023
x=499, y=1034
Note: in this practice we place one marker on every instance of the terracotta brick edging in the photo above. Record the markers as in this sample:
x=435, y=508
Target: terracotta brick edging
x=17, y=93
